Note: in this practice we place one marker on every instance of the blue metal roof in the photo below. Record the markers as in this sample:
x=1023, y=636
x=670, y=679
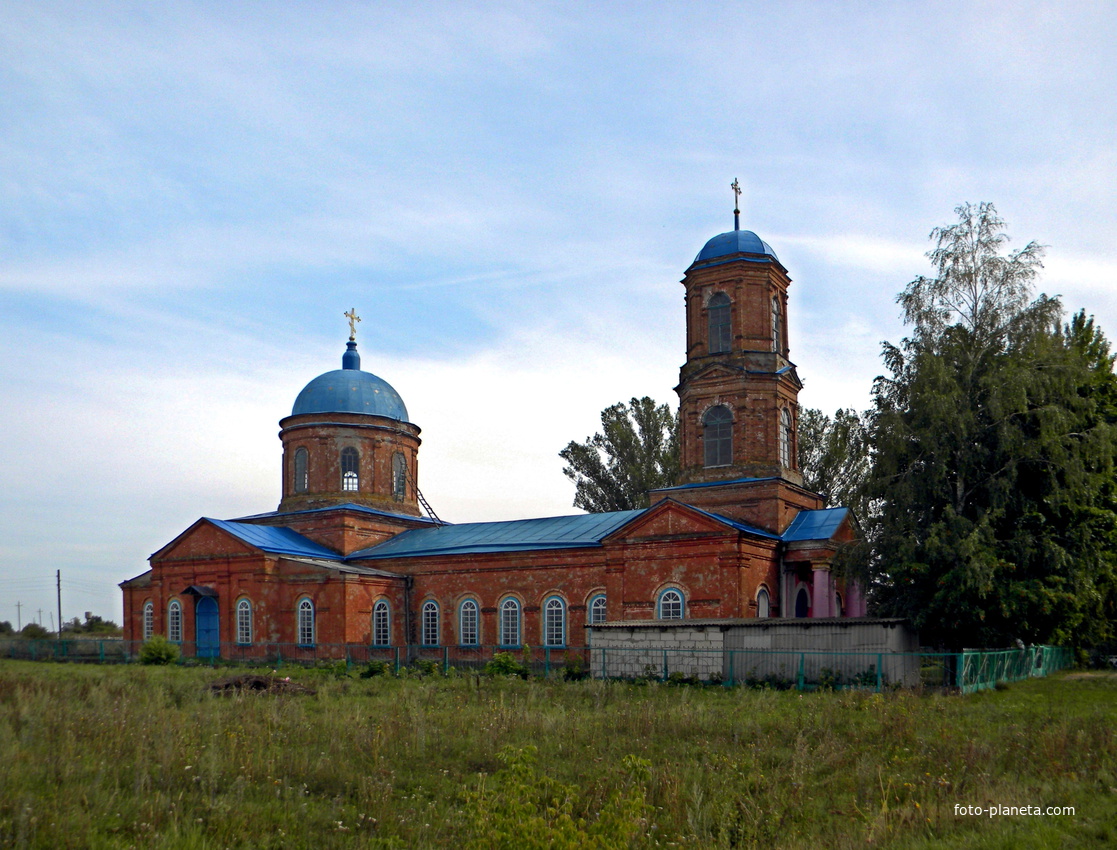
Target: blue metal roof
x=714, y=483
x=815, y=525
x=276, y=539
x=347, y=506
x=735, y=242
x=349, y=390
x=561, y=532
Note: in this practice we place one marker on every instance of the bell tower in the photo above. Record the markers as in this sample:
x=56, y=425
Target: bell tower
x=738, y=390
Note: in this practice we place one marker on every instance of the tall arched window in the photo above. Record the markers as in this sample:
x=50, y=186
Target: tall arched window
x=244, y=622
x=467, y=624
x=300, y=470
x=148, y=620
x=510, y=622
x=174, y=622
x=763, y=604
x=717, y=436
x=554, y=622
x=597, y=609
x=670, y=605
x=785, y=438
x=350, y=464
x=399, y=477
x=306, y=622
x=777, y=333
x=718, y=323
x=430, y=623
x=381, y=624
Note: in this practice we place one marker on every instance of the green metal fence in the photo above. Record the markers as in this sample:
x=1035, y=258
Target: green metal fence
x=966, y=671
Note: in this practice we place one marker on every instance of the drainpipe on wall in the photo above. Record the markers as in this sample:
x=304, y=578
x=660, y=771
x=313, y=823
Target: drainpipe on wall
x=408, y=618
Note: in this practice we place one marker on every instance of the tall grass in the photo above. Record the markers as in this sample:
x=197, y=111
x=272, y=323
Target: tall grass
x=100, y=757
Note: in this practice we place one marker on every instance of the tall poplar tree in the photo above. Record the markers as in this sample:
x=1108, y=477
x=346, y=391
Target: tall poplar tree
x=636, y=450
x=994, y=444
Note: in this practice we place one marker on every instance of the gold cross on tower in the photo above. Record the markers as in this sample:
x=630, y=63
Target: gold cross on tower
x=736, y=187
x=353, y=319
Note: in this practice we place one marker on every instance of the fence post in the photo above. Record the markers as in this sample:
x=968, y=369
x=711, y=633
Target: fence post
x=802, y=669
x=729, y=679
x=445, y=660
x=397, y=661
x=603, y=664
x=546, y=662
x=665, y=665
x=880, y=670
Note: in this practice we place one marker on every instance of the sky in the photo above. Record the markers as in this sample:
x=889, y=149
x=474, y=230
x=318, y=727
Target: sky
x=191, y=195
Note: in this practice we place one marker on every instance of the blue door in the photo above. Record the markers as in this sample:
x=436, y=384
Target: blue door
x=206, y=628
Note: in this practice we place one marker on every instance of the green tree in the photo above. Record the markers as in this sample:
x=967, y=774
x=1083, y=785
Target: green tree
x=637, y=450
x=834, y=457
x=994, y=447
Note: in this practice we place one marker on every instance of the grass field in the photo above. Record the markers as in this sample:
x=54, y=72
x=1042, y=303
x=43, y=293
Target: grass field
x=130, y=756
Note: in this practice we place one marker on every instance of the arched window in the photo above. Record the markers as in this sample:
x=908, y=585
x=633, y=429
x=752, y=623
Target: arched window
x=350, y=463
x=467, y=624
x=510, y=622
x=777, y=334
x=718, y=323
x=244, y=622
x=802, y=603
x=399, y=477
x=148, y=620
x=670, y=605
x=174, y=622
x=381, y=624
x=300, y=470
x=839, y=606
x=597, y=609
x=554, y=622
x=763, y=605
x=306, y=622
x=785, y=438
x=430, y=624
x=717, y=436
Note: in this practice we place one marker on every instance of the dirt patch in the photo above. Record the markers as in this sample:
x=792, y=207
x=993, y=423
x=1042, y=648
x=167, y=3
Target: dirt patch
x=1092, y=674
x=255, y=683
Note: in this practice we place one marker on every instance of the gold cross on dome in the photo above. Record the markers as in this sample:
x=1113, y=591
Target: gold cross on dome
x=353, y=319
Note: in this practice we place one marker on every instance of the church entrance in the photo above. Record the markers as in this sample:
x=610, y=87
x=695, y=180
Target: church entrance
x=801, y=603
x=206, y=631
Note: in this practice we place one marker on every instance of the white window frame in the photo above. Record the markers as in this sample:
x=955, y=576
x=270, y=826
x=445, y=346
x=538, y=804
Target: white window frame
x=244, y=622
x=469, y=632
x=785, y=437
x=598, y=609
x=510, y=622
x=305, y=622
x=677, y=609
x=431, y=624
x=381, y=623
x=174, y=621
x=554, y=621
x=148, y=620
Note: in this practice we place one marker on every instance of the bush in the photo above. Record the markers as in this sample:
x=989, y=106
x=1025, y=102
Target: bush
x=505, y=664
x=376, y=668
x=158, y=650
x=574, y=670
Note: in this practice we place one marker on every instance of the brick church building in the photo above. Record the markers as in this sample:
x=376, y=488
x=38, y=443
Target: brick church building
x=350, y=557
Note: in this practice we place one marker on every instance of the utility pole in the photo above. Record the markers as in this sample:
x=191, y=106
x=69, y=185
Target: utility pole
x=40, y=616
x=19, y=619
x=58, y=585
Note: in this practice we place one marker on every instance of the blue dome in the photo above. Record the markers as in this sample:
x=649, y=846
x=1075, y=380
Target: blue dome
x=349, y=390
x=735, y=242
